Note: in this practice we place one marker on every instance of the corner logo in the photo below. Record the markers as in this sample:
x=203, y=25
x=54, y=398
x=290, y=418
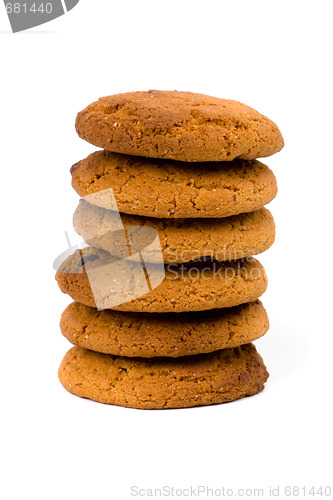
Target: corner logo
x=28, y=13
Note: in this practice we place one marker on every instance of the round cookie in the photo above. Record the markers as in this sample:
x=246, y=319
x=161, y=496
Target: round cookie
x=195, y=286
x=178, y=125
x=151, y=334
x=160, y=383
x=157, y=188
x=182, y=240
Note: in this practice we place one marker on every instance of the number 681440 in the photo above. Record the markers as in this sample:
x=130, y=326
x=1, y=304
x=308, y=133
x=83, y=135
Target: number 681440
x=18, y=8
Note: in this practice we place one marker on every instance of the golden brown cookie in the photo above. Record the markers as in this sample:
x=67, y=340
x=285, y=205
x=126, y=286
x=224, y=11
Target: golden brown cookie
x=148, y=335
x=178, y=125
x=159, y=188
x=182, y=240
x=193, y=286
x=158, y=383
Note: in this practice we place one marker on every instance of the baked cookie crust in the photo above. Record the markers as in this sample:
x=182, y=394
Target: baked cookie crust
x=160, y=383
x=168, y=189
x=176, y=125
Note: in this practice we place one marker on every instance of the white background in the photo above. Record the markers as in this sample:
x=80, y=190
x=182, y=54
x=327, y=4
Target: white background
x=275, y=57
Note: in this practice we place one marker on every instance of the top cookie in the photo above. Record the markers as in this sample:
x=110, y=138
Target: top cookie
x=178, y=125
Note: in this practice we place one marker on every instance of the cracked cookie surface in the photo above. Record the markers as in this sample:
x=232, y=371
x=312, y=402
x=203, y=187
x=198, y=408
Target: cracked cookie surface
x=174, y=334
x=178, y=125
x=157, y=188
x=194, y=286
x=158, y=383
x=182, y=240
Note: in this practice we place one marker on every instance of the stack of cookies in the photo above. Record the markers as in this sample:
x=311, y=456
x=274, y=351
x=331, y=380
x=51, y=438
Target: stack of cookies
x=184, y=165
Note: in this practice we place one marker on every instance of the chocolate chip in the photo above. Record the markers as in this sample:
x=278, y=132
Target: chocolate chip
x=83, y=260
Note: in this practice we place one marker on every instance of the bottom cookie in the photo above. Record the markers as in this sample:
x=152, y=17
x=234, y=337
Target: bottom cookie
x=157, y=383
